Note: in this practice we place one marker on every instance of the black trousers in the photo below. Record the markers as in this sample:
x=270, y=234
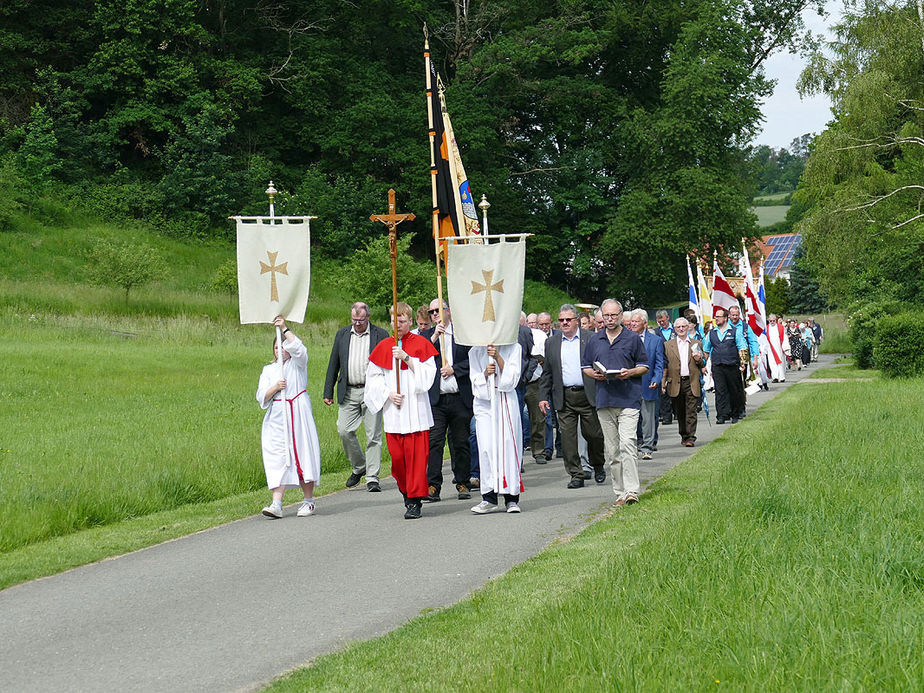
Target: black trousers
x=666, y=411
x=729, y=391
x=578, y=410
x=450, y=415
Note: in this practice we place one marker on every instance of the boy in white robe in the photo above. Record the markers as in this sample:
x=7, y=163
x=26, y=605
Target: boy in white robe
x=291, y=451
x=406, y=415
x=499, y=429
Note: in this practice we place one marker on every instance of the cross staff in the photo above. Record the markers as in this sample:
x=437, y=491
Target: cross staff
x=391, y=220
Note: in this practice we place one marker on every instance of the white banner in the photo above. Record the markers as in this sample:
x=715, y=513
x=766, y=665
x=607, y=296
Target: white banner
x=273, y=268
x=485, y=285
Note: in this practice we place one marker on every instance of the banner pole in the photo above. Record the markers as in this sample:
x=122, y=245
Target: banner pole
x=436, y=210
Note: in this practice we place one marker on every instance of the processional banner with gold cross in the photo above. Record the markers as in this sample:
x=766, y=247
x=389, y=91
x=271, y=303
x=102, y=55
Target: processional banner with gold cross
x=273, y=267
x=485, y=283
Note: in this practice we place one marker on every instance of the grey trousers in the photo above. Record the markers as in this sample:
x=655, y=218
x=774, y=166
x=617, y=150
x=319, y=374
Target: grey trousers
x=352, y=413
x=649, y=418
x=578, y=411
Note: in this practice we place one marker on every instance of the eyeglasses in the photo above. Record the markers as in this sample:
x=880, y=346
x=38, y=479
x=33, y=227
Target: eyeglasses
x=434, y=311
x=611, y=315
x=567, y=319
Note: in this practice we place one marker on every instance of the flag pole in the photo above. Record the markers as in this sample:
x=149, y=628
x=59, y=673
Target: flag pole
x=436, y=210
x=271, y=193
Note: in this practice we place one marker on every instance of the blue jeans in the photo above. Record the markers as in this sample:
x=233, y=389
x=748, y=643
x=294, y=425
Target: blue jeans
x=552, y=434
x=473, y=446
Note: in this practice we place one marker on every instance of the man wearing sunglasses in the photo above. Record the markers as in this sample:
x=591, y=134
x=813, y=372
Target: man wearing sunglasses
x=573, y=393
x=451, y=404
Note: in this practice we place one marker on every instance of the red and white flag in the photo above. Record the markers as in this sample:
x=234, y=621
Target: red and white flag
x=754, y=313
x=722, y=294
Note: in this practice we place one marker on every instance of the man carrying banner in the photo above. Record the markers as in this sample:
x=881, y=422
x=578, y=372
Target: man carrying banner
x=402, y=396
x=347, y=367
x=729, y=352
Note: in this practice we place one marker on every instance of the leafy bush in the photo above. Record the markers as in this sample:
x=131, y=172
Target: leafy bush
x=125, y=265
x=897, y=346
x=367, y=276
x=11, y=187
x=864, y=322
x=225, y=278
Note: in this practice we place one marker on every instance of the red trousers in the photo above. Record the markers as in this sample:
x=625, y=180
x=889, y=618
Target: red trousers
x=409, y=453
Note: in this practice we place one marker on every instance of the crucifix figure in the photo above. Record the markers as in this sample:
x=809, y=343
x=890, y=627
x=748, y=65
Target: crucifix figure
x=391, y=220
x=488, y=287
x=272, y=268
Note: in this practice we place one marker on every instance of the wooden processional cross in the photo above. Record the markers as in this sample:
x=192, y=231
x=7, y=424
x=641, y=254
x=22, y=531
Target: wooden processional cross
x=391, y=220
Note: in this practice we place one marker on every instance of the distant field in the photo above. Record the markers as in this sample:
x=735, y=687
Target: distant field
x=768, y=216
x=774, y=196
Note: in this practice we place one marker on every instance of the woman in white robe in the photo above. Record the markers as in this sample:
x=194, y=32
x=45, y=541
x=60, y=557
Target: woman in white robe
x=291, y=451
x=499, y=429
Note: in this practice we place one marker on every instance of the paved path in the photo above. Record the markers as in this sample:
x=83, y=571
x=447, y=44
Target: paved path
x=230, y=608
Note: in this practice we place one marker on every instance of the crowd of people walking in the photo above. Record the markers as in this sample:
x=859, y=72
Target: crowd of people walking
x=592, y=388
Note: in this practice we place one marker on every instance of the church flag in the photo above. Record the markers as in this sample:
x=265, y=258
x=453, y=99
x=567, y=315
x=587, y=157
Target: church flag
x=722, y=294
x=273, y=268
x=754, y=316
x=485, y=283
x=692, y=302
x=705, y=300
x=453, y=205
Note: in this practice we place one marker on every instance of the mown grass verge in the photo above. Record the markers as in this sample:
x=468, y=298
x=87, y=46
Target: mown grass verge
x=786, y=555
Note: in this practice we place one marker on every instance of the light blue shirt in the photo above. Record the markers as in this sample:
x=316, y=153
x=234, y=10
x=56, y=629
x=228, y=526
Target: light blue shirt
x=571, y=375
x=740, y=342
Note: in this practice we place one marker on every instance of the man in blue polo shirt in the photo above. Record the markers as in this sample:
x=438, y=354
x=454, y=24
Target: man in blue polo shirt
x=624, y=360
x=729, y=351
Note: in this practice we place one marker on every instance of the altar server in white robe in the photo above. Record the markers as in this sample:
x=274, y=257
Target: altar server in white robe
x=291, y=451
x=499, y=430
x=406, y=414
x=779, y=349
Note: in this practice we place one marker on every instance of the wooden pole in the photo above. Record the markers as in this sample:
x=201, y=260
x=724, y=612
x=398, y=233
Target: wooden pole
x=437, y=246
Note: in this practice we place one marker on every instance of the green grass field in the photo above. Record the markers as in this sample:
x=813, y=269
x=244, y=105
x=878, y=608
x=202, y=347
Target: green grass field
x=786, y=555
x=768, y=216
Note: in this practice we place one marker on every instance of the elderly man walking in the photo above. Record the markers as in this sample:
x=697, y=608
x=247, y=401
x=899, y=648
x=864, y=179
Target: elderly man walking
x=617, y=360
x=651, y=383
x=684, y=362
x=347, y=367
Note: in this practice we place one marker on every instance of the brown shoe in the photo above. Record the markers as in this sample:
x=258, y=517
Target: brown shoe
x=687, y=443
x=631, y=499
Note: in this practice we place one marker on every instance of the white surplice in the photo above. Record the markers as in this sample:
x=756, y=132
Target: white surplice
x=289, y=435
x=500, y=464
x=414, y=414
x=780, y=344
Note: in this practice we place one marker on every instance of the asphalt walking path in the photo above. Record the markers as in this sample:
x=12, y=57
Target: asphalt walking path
x=233, y=607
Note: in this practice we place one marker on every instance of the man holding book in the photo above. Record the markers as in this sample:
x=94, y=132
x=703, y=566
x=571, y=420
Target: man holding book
x=616, y=359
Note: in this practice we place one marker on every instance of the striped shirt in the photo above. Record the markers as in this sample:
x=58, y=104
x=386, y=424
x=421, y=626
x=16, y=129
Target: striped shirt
x=358, y=358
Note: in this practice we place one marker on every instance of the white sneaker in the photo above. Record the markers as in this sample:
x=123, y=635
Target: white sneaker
x=513, y=507
x=483, y=508
x=273, y=510
x=306, y=508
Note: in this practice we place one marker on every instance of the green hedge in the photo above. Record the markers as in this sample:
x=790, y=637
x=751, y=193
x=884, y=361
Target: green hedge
x=864, y=320
x=897, y=348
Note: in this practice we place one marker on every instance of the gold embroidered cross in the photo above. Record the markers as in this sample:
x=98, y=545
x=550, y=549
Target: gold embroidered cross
x=272, y=268
x=488, y=287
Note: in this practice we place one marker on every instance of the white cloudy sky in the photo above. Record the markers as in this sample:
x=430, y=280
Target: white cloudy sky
x=786, y=114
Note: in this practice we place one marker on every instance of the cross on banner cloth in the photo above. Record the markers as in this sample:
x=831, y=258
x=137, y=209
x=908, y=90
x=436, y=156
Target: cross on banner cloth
x=485, y=283
x=273, y=268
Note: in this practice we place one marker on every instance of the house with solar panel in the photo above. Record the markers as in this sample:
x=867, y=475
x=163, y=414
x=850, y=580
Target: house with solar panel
x=779, y=254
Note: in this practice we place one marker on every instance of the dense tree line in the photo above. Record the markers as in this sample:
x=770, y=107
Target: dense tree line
x=616, y=132
x=779, y=170
x=863, y=187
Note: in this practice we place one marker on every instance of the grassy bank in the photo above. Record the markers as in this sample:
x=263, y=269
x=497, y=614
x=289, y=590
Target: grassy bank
x=785, y=555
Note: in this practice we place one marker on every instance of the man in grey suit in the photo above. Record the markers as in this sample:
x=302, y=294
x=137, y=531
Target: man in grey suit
x=573, y=393
x=347, y=366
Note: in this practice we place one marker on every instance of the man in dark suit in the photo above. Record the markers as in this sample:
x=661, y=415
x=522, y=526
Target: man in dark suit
x=451, y=404
x=573, y=394
x=347, y=367
x=651, y=383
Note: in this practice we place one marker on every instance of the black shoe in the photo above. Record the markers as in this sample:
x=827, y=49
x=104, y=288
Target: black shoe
x=463, y=492
x=413, y=511
x=588, y=474
x=558, y=454
x=576, y=483
x=600, y=475
x=548, y=456
x=720, y=421
x=433, y=495
x=540, y=460
x=735, y=419
x=373, y=487
x=353, y=479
